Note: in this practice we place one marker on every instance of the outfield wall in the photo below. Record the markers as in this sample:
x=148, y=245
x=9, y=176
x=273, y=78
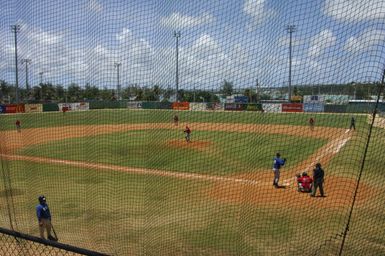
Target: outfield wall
x=194, y=106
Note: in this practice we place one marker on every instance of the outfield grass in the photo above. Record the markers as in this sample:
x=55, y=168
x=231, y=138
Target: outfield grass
x=121, y=116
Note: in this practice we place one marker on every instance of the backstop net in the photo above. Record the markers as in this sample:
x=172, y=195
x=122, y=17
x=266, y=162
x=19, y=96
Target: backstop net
x=252, y=127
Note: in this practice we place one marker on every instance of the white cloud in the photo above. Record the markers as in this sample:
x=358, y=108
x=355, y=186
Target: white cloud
x=365, y=41
x=258, y=11
x=125, y=35
x=95, y=6
x=180, y=21
x=320, y=42
x=355, y=10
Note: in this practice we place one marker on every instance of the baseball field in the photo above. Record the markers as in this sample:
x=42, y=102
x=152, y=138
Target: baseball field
x=125, y=182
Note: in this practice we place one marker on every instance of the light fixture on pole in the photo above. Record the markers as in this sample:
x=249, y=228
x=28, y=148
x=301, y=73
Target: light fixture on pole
x=15, y=29
x=290, y=29
x=26, y=61
x=117, y=66
x=177, y=36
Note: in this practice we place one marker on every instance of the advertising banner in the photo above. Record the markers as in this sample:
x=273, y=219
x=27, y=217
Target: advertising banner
x=215, y=106
x=78, y=106
x=50, y=107
x=29, y=108
x=313, y=107
x=292, y=107
x=134, y=104
x=181, y=105
x=272, y=107
x=2, y=109
x=313, y=98
x=254, y=107
x=241, y=99
x=14, y=108
x=235, y=106
x=198, y=106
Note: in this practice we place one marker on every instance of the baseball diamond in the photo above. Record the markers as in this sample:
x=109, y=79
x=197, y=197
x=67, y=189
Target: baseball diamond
x=160, y=177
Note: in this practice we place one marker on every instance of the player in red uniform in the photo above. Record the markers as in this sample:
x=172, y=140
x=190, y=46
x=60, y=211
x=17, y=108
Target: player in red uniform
x=187, y=131
x=311, y=123
x=18, y=125
x=304, y=183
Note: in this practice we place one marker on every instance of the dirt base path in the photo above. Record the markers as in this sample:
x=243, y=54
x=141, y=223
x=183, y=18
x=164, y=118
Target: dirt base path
x=248, y=187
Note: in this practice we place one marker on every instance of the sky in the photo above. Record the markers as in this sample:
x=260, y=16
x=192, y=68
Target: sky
x=241, y=41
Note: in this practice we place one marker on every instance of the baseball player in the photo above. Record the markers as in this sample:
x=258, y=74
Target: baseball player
x=278, y=162
x=187, y=131
x=18, y=125
x=318, y=180
x=352, y=123
x=311, y=123
x=304, y=183
x=176, y=120
x=44, y=218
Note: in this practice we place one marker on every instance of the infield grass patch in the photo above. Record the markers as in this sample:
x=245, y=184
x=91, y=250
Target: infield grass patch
x=222, y=153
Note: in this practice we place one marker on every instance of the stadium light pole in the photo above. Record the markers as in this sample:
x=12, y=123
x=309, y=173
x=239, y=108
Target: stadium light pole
x=41, y=77
x=41, y=84
x=290, y=29
x=117, y=66
x=26, y=61
x=177, y=36
x=15, y=29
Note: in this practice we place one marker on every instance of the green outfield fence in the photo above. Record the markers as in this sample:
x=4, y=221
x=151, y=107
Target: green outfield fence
x=153, y=127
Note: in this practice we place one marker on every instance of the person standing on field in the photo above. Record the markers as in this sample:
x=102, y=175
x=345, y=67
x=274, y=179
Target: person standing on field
x=187, y=131
x=278, y=162
x=318, y=180
x=352, y=123
x=311, y=123
x=18, y=125
x=44, y=218
x=176, y=120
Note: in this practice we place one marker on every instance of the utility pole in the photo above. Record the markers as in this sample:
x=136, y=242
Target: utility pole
x=41, y=77
x=290, y=29
x=177, y=35
x=117, y=66
x=41, y=84
x=256, y=90
x=26, y=61
x=15, y=29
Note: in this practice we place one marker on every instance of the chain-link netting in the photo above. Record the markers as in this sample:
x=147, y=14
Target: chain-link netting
x=251, y=127
x=12, y=244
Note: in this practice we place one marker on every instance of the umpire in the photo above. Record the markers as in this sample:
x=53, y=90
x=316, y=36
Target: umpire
x=318, y=180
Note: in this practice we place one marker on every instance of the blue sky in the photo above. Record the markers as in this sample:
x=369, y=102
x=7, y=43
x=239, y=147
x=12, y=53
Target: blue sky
x=336, y=41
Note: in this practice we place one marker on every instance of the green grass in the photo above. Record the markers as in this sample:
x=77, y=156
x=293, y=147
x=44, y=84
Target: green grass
x=120, y=116
x=225, y=152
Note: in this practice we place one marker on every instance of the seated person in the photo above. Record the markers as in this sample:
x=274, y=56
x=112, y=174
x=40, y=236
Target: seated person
x=304, y=183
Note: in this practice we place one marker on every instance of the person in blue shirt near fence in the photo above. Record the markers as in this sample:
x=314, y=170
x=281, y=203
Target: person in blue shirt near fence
x=44, y=218
x=277, y=164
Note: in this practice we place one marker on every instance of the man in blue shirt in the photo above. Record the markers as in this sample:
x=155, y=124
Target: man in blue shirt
x=277, y=164
x=44, y=218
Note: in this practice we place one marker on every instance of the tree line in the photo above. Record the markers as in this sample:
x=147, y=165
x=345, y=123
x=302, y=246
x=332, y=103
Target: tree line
x=48, y=92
